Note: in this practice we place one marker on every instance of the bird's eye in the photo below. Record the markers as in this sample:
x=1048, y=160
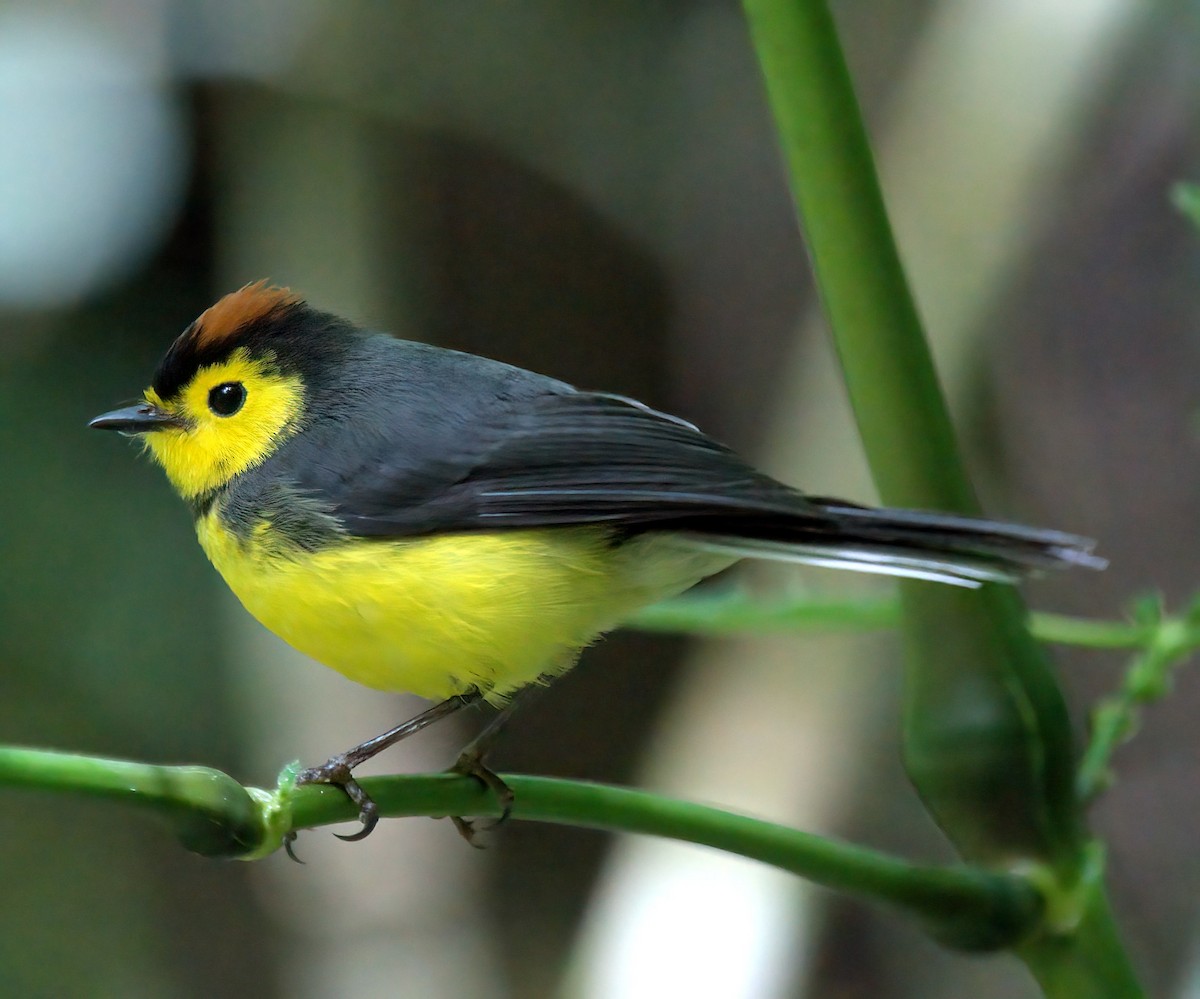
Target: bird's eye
x=227, y=398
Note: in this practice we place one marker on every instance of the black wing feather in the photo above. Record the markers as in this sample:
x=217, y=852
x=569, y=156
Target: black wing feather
x=566, y=458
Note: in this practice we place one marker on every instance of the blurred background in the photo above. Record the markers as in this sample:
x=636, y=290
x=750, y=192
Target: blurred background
x=593, y=191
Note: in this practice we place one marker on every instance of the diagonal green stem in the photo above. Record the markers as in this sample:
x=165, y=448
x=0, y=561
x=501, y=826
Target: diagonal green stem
x=878, y=334
x=988, y=741
x=985, y=721
x=1147, y=678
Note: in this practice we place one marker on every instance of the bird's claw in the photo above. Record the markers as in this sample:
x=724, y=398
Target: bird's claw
x=368, y=815
x=470, y=764
x=288, y=839
x=336, y=771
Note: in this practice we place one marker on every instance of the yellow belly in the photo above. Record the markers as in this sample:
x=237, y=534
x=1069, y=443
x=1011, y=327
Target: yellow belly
x=440, y=615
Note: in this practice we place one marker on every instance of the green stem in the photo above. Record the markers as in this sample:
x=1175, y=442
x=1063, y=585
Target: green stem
x=733, y=612
x=1114, y=721
x=210, y=811
x=988, y=740
x=1146, y=679
x=878, y=334
x=1081, y=954
x=987, y=737
x=968, y=908
x=1090, y=633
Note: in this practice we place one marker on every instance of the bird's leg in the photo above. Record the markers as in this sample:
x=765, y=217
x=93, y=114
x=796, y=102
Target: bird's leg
x=470, y=764
x=337, y=769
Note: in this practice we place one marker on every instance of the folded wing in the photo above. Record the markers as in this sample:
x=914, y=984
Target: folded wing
x=571, y=458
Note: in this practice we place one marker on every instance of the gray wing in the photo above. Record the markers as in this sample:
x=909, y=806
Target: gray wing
x=556, y=459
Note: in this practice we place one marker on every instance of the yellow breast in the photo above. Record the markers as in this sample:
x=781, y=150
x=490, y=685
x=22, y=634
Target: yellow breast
x=439, y=615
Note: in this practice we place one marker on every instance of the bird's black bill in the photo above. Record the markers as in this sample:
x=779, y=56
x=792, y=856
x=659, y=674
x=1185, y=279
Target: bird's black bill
x=135, y=420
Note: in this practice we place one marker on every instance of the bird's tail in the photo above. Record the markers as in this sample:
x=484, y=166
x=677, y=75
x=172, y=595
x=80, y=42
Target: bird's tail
x=917, y=544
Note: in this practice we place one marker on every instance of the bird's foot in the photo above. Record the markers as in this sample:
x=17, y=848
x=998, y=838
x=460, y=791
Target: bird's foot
x=336, y=771
x=470, y=764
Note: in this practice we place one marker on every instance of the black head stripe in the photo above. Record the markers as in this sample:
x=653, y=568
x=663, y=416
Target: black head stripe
x=296, y=338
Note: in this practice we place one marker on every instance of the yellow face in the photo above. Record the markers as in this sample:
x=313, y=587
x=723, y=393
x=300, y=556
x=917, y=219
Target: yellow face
x=236, y=413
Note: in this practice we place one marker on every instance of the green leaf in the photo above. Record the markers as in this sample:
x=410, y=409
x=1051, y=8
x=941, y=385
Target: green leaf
x=1186, y=198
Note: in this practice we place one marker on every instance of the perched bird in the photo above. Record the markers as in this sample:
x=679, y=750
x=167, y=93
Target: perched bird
x=430, y=521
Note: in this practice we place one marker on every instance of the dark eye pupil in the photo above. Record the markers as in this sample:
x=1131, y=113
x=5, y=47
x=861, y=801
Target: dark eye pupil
x=227, y=398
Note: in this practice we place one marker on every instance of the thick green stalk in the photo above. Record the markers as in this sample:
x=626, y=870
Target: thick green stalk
x=211, y=812
x=988, y=740
x=987, y=737
x=1089, y=961
x=872, y=316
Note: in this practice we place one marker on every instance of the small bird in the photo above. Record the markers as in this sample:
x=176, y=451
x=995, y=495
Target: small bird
x=431, y=521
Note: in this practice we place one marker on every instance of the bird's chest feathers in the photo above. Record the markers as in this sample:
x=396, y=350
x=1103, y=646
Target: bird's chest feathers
x=432, y=615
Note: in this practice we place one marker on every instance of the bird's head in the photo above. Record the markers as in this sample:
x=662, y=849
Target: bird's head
x=231, y=388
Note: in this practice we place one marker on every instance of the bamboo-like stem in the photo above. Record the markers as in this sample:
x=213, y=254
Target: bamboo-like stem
x=970, y=652
x=988, y=742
